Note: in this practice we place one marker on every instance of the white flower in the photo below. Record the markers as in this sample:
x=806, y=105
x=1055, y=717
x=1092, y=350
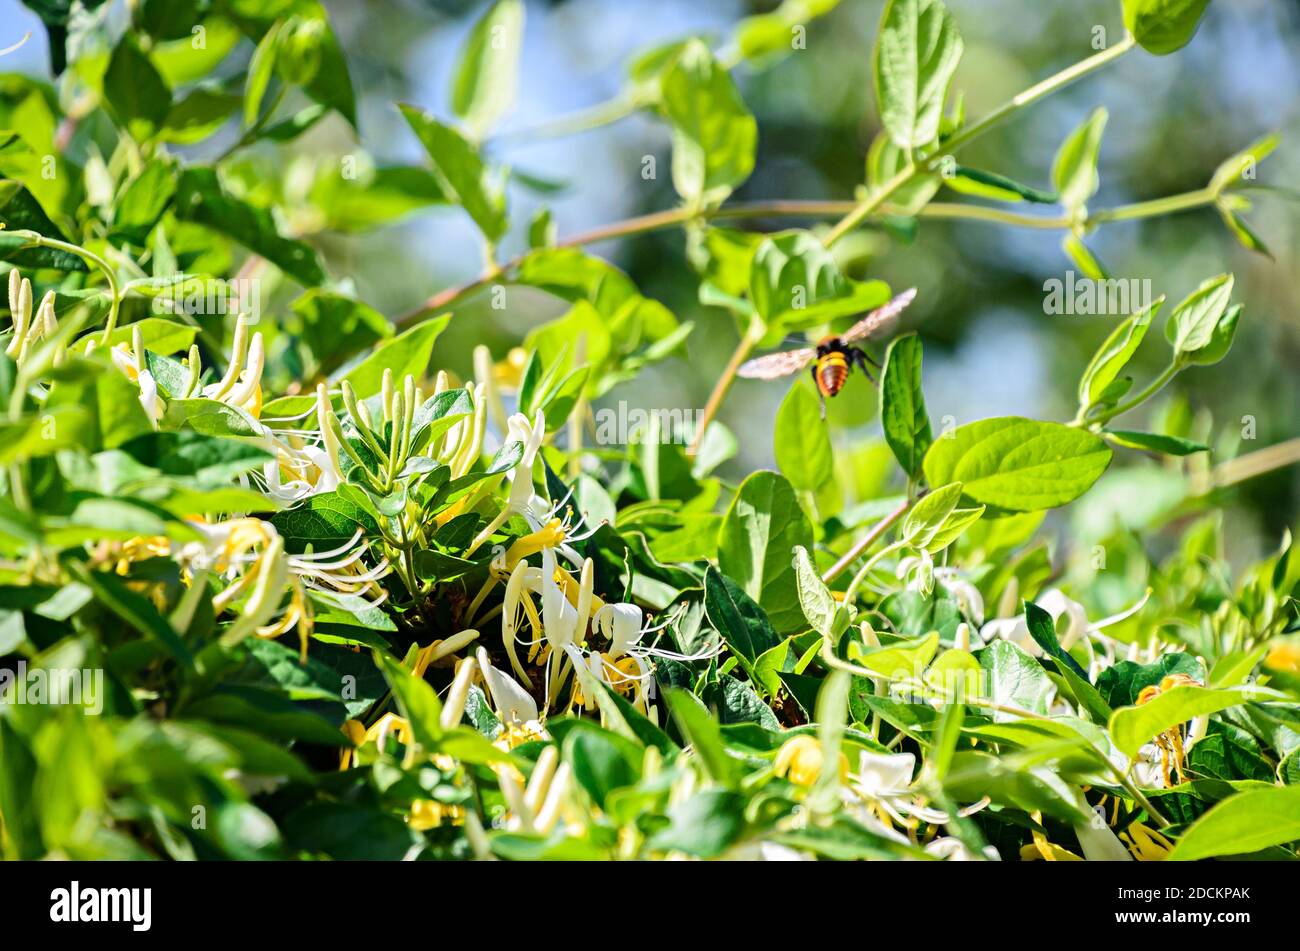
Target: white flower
x=1080, y=629
x=514, y=704
x=955, y=850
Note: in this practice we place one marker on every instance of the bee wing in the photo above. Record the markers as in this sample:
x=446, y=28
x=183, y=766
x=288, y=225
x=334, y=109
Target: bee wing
x=879, y=317
x=774, y=365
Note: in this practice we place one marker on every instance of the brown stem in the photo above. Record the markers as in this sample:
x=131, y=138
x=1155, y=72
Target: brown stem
x=1248, y=466
x=743, y=349
x=867, y=541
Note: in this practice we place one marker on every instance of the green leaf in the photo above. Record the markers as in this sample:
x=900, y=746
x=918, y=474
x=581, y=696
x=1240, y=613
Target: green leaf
x=756, y=545
x=201, y=199
x=601, y=761
x=1163, y=26
x=325, y=521
x=409, y=352
x=261, y=69
x=927, y=516
x=702, y=733
x=1155, y=442
x=1241, y=167
x=795, y=284
x=1192, y=324
x=984, y=184
x=210, y=417
x=1131, y=727
x=916, y=54
x=133, y=608
x=818, y=604
x=1220, y=341
x=488, y=72
x=20, y=211
x=1114, y=354
x=1241, y=824
x=1016, y=680
x=739, y=620
x=714, y=135
x=901, y=660
x=703, y=825
x=1242, y=231
x=460, y=171
x=135, y=92
x=903, y=416
x=1016, y=464
x=801, y=442
x=418, y=701
x=1121, y=683
x=1074, y=171
x=1043, y=630
x=143, y=201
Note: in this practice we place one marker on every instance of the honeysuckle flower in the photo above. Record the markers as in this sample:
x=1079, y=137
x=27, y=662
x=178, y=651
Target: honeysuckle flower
x=1080, y=629
x=1146, y=844
x=921, y=574
x=538, y=806
x=513, y=705
x=242, y=384
x=28, y=329
x=952, y=849
x=130, y=359
x=800, y=760
x=883, y=783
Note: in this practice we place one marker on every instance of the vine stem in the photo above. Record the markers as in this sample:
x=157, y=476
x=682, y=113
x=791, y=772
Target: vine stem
x=800, y=208
x=1248, y=466
x=867, y=541
x=1010, y=107
x=1154, y=387
x=743, y=349
x=114, y=290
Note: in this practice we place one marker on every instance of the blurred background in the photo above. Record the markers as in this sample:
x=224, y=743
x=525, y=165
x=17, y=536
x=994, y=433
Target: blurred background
x=990, y=347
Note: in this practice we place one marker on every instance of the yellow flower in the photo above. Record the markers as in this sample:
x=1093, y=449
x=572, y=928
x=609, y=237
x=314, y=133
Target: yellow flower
x=1284, y=656
x=800, y=761
x=1146, y=844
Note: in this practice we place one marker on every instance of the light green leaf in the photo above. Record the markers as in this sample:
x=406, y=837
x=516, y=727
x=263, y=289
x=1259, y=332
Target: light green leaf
x=1220, y=340
x=1015, y=680
x=899, y=661
x=1241, y=167
x=461, y=172
x=1131, y=727
x=756, y=545
x=408, y=352
x=1074, y=172
x=916, y=54
x=818, y=604
x=801, y=441
x=1155, y=442
x=1163, y=26
x=488, y=72
x=902, y=404
x=927, y=516
x=1016, y=464
x=1192, y=324
x=714, y=135
x=1113, y=355
x=1244, y=823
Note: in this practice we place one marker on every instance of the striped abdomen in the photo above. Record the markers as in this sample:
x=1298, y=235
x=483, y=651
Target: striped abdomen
x=832, y=371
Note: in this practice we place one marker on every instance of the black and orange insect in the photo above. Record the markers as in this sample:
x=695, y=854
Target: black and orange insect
x=835, y=355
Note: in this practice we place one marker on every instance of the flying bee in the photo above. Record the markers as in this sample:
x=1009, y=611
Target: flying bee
x=835, y=355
